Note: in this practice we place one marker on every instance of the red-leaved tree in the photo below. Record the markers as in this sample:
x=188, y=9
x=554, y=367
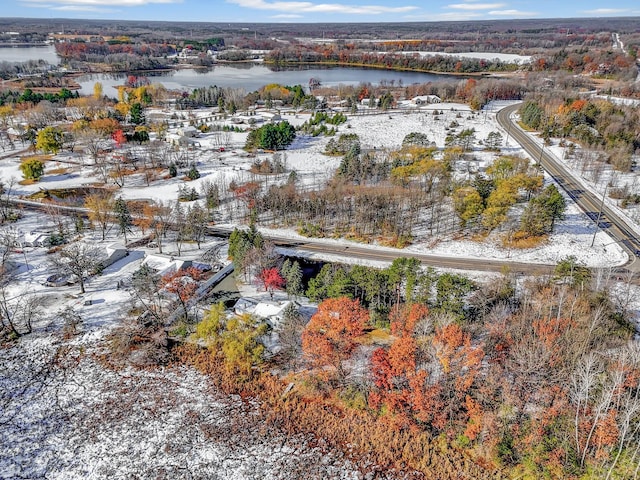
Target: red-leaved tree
x=271, y=280
x=119, y=137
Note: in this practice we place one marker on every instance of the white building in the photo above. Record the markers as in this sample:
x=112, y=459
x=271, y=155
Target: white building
x=426, y=99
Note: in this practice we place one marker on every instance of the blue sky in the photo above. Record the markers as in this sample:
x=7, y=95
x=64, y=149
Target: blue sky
x=314, y=10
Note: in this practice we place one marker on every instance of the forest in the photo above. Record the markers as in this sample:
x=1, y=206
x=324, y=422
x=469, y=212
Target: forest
x=433, y=373
x=403, y=369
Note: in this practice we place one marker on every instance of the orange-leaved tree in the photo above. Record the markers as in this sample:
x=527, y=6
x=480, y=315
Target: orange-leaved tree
x=331, y=334
x=394, y=369
x=183, y=284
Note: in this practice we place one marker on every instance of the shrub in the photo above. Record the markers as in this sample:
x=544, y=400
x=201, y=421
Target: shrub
x=193, y=173
x=32, y=168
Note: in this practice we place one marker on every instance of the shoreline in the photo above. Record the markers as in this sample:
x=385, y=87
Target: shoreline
x=487, y=74
x=75, y=86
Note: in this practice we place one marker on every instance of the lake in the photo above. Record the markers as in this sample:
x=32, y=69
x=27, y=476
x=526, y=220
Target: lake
x=23, y=54
x=251, y=77
x=248, y=76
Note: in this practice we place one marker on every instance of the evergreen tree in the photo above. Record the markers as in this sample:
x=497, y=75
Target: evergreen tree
x=136, y=114
x=543, y=211
x=293, y=277
x=123, y=216
x=32, y=169
x=193, y=173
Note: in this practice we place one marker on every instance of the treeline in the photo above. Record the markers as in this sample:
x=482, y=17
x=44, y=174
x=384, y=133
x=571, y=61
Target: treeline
x=391, y=196
x=230, y=99
x=603, y=62
x=15, y=69
x=530, y=40
x=437, y=63
x=380, y=291
x=434, y=373
x=91, y=51
x=595, y=123
x=8, y=97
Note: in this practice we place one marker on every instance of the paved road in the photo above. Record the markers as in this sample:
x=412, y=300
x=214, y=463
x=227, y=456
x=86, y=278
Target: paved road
x=606, y=218
x=360, y=252
x=369, y=253
x=587, y=201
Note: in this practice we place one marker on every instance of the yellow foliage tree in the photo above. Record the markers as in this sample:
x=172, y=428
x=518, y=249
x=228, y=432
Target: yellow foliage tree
x=100, y=206
x=97, y=90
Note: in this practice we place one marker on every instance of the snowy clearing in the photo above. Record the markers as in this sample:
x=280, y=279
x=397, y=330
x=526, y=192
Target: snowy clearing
x=381, y=131
x=503, y=57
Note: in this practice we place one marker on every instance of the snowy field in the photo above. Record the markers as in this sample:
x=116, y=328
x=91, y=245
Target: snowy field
x=64, y=415
x=381, y=131
x=600, y=178
x=85, y=421
x=503, y=57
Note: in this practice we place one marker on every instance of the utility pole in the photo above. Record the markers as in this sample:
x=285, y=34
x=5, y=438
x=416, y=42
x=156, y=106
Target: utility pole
x=593, y=240
x=541, y=153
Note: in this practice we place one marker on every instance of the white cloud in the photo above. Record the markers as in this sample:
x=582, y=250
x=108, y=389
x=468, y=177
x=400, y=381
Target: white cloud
x=81, y=8
x=309, y=7
x=93, y=4
x=475, y=6
x=513, y=13
x=36, y=5
x=446, y=17
x=606, y=11
x=285, y=16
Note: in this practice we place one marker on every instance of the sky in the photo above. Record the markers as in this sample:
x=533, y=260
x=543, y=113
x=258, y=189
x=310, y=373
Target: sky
x=295, y=11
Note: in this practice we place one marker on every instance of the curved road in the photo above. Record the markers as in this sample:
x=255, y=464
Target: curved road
x=608, y=220
x=360, y=252
x=367, y=253
x=594, y=207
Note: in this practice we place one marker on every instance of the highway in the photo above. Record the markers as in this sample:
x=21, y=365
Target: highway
x=590, y=203
x=605, y=218
x=359, y=252
x=364, y=253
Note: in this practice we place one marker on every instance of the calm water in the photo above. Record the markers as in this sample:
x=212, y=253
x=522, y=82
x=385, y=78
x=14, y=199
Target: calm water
x=252, y=77
x=23, y=54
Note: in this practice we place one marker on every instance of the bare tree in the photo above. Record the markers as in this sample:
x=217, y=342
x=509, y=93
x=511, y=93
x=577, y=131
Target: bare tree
x=5, y=141
x=161, y=221
x=213, y=254
x=7, y=209
x=198, y=220
x=79, y=260
x=18, y=312
x=290, y=335
x=94, y=141
x=146, y=292
x=71, y=322
x=8, y=239
x=60, y=220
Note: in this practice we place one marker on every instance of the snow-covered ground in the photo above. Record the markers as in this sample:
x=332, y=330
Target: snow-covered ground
x=503, y=57
x=381, y=131
x=81, y=420
x=65, y=415
x=600, y=178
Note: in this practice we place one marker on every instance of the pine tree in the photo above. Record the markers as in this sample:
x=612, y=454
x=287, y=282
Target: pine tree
x=123, y=216
x=293, y=277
